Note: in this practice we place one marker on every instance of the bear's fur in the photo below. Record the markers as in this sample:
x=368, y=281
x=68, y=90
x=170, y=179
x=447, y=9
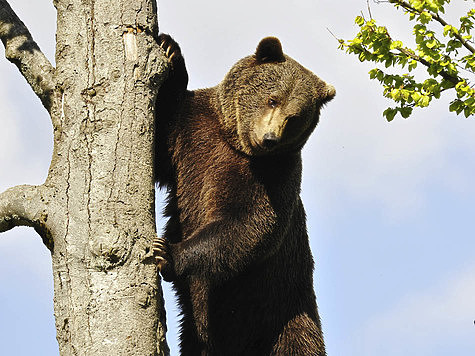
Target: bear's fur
x=236, y=245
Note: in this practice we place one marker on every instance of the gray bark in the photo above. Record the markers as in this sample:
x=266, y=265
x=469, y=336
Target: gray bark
x=95, y=211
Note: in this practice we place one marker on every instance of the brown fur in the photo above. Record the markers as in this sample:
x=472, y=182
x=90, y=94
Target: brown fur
x=235, y=245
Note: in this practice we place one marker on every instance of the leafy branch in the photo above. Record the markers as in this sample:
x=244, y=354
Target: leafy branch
x=435, y=16
x=439, y=53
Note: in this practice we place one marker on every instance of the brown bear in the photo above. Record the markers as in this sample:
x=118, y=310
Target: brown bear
x=235, y=245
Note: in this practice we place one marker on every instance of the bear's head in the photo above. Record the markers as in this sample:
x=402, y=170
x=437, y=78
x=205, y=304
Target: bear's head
x=270, y=103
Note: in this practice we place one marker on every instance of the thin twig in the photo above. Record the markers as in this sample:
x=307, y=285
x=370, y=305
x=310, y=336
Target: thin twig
x=333, y=34
x=369, y=10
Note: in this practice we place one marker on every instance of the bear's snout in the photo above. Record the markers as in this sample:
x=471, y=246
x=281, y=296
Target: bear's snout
x=270, y=140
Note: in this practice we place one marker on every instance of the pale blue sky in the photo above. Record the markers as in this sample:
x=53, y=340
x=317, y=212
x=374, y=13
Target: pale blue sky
x=389, y=205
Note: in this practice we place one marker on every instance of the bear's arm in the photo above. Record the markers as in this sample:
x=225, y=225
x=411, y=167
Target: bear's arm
x=169, y=98
x=238, y=235
x=174, y=86
x=222, y=249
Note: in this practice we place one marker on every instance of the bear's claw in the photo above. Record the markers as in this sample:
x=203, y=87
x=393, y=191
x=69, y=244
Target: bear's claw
x=163, y=258
x=169, y=46
x=160, y=249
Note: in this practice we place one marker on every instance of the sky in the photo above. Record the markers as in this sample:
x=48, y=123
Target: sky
x=390, y=206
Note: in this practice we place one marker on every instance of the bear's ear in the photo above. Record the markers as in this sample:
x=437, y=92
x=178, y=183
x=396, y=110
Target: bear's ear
x=269, y=50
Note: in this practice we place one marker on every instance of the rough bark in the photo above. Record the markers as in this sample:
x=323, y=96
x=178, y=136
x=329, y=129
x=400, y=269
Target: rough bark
x=95, y=212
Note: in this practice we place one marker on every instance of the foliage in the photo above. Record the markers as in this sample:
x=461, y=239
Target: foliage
x=448, y=57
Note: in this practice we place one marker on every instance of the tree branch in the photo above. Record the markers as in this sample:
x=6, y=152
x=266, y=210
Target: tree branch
x=447, y=76
x=22, y=50
x=24, y=205
x=457, y=35
x=439, y=19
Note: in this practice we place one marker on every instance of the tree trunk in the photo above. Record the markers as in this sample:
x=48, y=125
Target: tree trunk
x=95, y=212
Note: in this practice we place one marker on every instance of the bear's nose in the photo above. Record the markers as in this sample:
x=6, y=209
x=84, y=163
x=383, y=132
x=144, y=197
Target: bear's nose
x=270, y=140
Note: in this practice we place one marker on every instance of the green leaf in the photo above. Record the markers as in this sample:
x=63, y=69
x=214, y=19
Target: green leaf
x=467, y=112
x=373, y=73
x=447, y=29
x=389, y=114
x=431, y=44
x=359, y=21
x=425, y=17
x=412, y=65
x=457, y=106
x=416, y=96
x=362, y=56
x=425, y=101
x=405, y=112
x=395, y=94
x=396, y=44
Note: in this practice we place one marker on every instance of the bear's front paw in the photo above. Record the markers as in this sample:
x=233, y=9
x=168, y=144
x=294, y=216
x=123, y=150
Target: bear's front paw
x=171, y=48
x=163, y=259
x=177, y=80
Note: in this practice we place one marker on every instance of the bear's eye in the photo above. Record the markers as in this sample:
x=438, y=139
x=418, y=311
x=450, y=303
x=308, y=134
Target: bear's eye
x=272, y=103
